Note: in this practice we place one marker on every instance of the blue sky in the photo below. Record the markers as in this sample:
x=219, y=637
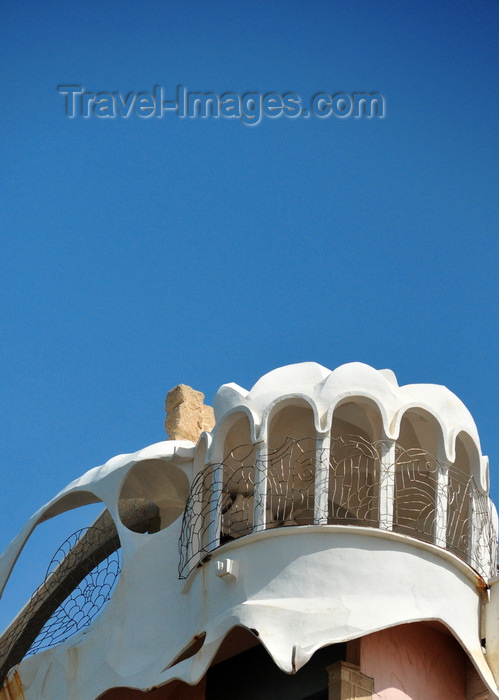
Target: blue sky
x=140, y=253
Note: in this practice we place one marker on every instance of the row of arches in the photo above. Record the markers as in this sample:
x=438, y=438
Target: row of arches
x=357, y=416
x=352, y=475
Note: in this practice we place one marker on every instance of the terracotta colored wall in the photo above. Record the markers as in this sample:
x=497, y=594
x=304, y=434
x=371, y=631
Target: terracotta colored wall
x=414, y=662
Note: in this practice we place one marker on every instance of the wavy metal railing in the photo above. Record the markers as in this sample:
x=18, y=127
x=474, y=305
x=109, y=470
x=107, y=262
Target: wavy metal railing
x=426, y=498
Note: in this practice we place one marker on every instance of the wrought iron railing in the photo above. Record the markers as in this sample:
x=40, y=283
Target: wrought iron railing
x=341, y=481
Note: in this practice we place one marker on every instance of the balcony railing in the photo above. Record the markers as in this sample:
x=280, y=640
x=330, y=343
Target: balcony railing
x=341, y=481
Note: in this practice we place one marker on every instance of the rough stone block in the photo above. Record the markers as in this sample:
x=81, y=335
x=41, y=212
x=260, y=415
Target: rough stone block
x=187, y=416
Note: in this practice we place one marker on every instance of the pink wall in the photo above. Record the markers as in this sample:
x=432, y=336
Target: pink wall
x=414, y=662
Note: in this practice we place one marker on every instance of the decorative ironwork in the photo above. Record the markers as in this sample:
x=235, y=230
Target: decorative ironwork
x=290, y=483
x=354, y=480
x=87, y=598
x=79, y=581
x=417, y=494
x=371, y=484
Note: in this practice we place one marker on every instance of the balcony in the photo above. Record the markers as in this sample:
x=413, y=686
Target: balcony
x=338, y=481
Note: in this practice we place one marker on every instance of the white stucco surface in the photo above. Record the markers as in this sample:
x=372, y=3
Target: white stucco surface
x=298, y=588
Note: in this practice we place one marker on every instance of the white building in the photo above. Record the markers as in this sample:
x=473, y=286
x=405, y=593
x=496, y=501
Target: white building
x=331, y=537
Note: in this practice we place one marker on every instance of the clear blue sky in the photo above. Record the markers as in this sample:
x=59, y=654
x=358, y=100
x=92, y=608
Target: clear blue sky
x=140, y=253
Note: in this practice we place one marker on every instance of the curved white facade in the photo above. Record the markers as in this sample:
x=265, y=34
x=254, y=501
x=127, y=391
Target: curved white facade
x=323, y=507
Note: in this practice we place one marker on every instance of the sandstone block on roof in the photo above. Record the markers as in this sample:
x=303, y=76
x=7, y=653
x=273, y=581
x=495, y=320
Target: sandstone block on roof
x=186, y=414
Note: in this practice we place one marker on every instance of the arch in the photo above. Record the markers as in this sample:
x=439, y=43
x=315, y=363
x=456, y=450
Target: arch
x=290, y=418
x=362, y=399
x=236, y=434
x=468, y=517
x=354, y=473
x=291, y=463
x=216, y=451
x=354, y=481
x=237, y=479
x=70, y=501
x=468, y=457
x=357, y=415
x=413, y=417
x=220, y=503
x=274, y=408
x=418, y=427
x=64, y=504
x=420, y=491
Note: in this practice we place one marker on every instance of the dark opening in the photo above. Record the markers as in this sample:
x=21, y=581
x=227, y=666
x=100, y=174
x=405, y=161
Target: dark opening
x=253, y=675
